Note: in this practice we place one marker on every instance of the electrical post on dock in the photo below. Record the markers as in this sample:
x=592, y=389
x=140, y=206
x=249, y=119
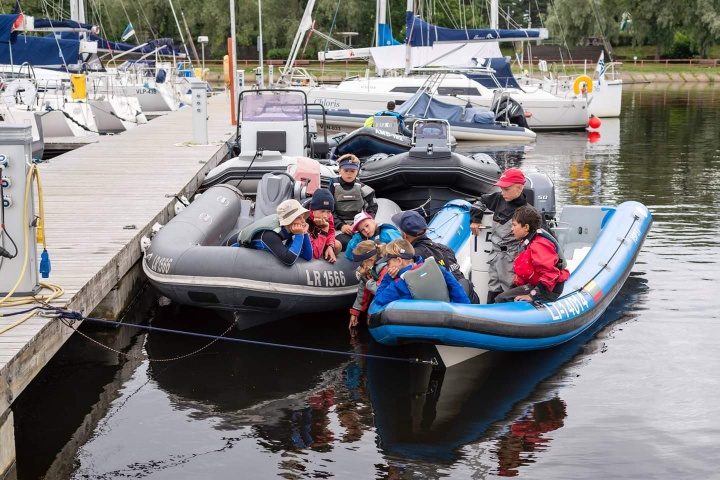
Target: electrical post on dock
x=199, y=115
x=18, y=241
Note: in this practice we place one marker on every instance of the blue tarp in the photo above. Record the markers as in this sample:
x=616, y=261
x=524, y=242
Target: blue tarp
x=503, y=74
x=48, y=23
x=422, y=105
x=423, y=34
x=17, y=48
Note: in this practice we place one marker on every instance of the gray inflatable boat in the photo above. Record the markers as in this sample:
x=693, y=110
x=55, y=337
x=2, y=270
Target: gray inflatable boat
x=189, y=262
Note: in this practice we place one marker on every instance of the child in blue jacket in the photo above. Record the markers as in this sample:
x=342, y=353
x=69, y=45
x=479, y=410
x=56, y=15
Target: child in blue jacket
x=401, y=257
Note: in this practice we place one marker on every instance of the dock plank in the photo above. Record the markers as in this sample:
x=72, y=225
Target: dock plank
x=93, y=195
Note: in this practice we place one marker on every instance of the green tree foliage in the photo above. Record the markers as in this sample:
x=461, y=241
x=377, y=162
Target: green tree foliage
x=655, y=22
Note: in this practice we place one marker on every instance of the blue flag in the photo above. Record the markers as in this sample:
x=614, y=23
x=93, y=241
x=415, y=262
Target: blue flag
x=128, y=32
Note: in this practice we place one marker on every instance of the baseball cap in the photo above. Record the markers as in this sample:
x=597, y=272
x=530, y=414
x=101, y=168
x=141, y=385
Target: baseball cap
x=349, y=161
x=410, y=222
x=511, y=176
x=359, y=218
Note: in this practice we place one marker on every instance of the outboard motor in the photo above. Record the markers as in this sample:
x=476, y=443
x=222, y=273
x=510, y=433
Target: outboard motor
x=273, y=189
x=509, y=110
x=540, y=193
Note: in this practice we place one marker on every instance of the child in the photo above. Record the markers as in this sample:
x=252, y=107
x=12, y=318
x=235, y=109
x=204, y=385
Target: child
x=284, y=234
x=322, y=226
x=370, y=272
x=504, y=245
x=400, y=257
x=365, y=227
x=539, y=269
x=351, y=197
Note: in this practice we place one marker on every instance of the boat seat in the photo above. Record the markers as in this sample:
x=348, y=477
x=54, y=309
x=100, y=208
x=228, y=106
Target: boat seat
x=243, y=221
x=273, y=189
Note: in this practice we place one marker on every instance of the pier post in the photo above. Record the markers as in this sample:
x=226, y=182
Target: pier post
x=7, y=443
x=199, y=114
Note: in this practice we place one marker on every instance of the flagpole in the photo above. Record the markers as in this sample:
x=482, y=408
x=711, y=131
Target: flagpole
x=233, y=59
x=182, y=37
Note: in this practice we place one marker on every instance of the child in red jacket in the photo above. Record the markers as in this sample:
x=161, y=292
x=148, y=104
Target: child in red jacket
x=539, y=268
x=322, y=227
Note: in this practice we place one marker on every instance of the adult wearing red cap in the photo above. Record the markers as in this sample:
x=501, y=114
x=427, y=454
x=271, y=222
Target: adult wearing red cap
x=505, y=246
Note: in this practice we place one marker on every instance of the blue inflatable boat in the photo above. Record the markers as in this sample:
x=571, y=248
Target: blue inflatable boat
x=600, y=244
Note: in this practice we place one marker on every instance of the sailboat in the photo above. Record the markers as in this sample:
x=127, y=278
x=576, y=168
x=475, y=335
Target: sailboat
x=474, y=71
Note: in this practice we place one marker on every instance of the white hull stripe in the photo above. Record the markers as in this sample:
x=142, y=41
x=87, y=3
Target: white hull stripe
x=244, y=283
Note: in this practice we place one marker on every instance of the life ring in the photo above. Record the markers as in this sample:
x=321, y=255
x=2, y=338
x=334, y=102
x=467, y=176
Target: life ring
x=19, y=92
x=577, y=84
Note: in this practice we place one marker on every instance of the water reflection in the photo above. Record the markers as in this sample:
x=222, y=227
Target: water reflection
x=426, y=415
x=528, y=435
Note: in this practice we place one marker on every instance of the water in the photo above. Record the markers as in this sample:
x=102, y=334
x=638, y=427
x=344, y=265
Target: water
x=634, y=398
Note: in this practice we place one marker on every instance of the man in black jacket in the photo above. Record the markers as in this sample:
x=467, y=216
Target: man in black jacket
x=413, y=228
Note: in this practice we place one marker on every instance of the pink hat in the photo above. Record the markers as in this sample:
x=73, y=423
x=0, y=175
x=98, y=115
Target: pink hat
x=359, y=218
x=511, y=176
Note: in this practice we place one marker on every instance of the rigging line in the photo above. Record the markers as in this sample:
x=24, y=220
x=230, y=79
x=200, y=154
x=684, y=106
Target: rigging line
x=122, y=4
x=562, y=30
x=600, y=27
x=332, y=25
x=64, y=314
x=142, y=10
x=57, y=42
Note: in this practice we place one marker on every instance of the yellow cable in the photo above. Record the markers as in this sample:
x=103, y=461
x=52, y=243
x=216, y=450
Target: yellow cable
x=55, y=290
x=28, y=188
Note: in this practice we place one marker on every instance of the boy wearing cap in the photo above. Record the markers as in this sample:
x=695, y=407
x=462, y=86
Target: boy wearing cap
x=322, y=226
x=351, y=197
x=505, y=246
x=365, y=227
x=413, y=226
x=284, y=234
x=400, y=257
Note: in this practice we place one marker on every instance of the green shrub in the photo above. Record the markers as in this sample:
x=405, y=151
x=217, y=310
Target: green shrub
x=682, y=47
x=278, y=53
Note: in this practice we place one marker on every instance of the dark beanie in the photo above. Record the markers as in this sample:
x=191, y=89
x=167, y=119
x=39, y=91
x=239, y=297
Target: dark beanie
x=322, y=199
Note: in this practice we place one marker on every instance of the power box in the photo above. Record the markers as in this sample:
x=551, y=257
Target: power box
x=19, y=215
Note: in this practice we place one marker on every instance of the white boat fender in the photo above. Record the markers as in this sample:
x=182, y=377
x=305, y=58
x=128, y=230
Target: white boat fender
x=423, y=282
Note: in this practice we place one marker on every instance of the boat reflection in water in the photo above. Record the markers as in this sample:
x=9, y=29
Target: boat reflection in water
x=290, y=403
x=505, y=397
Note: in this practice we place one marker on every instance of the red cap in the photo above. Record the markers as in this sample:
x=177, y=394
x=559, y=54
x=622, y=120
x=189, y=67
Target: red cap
x=511, y=176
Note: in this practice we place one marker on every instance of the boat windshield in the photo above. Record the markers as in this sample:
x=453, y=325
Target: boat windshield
x=274, y=107
x=431, y=130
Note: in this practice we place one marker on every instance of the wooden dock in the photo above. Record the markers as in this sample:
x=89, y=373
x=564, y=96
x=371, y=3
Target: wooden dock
x=100, y=199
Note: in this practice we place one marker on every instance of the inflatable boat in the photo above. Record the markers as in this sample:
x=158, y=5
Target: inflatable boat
x=189, y=260
x=430, y=174
x=367, y=141
x=474, y=124
x=601, y=245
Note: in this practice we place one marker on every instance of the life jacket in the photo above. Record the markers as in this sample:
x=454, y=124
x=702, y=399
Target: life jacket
x=369, y=122
x=348, y=203
x=423, y=280
x=443, y=254
x=561, y=264
x=271, y=222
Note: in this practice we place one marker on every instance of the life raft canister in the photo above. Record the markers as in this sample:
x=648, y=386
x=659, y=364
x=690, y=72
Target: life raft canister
x=78, y=84
x=577, y=84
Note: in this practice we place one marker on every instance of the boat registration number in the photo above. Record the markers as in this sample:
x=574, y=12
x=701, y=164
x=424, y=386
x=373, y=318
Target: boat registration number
x=333, y=278
x=570, y=306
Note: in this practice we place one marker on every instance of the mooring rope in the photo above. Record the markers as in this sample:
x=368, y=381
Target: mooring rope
x=63, y=314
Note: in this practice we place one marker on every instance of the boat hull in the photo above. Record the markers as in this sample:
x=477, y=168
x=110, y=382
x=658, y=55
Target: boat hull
x=522, y=325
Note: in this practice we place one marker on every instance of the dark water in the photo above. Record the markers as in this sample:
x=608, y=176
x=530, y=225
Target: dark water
x=637, y=397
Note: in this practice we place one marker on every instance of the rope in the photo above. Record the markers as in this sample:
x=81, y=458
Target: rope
x=50, y=109
x=64, y=314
